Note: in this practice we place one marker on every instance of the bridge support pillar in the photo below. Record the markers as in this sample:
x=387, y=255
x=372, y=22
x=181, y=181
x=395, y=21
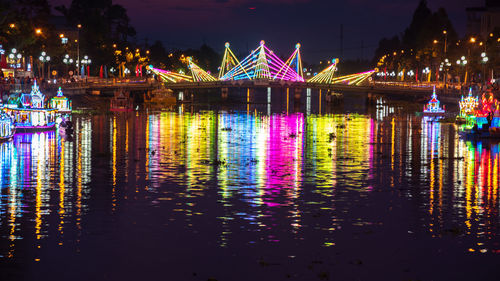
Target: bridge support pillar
x=224, y=93
x=249, y=95
x=297, y=92
x=180, y=96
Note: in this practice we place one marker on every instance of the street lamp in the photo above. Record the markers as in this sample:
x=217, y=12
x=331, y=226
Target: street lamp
x=86, y=61
x=44, y=58
x=79, y=26
x=463, y=62
x=484, y=60
x=15, y=60
x=427, y=70
x=67, y=61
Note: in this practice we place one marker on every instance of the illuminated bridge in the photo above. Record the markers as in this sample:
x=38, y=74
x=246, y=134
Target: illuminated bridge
x=261, y=68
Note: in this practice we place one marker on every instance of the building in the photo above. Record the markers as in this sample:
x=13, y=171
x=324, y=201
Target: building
x=483, y=20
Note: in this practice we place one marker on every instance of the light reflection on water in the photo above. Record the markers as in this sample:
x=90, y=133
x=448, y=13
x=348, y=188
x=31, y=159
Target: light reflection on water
x=268, y=175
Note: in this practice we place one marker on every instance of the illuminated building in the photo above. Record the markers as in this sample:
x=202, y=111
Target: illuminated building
x=29, y=111
x=61, y=103
x=468, y=104
x=432, y=107
x=7, y=128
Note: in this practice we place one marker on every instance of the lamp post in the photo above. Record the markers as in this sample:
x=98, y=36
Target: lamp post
x=446, y=60
x=14, y=60
x=79, y=26
x=86, y=61
x=426, y=70
x=462, y=62
x=484, y=60
x=44, y=58
x=67, y=61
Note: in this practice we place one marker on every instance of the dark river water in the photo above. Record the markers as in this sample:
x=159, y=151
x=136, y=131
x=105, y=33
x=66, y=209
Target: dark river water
x=193, y=194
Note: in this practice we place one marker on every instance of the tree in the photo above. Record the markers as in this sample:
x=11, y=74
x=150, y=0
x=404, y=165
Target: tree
x=103, y=25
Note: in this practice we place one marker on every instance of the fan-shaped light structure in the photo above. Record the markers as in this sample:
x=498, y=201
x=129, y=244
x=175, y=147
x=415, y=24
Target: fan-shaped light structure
x=198, y=74
x=262, y=63
x=170, y=76
x=325, y=76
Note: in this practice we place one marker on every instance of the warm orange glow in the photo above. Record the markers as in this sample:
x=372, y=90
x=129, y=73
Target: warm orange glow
x=79, y=26
x=435, y=41
x=38, y=31
x=114, y=45
x=12, y=25
x=444, y=32
x=472, y=40
x=61, y=35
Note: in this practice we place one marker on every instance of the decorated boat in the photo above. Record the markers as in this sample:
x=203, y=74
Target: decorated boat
x=7, y=127
x=29, y=112
x=160, y=98
x=433, y=108
x=484, y=122
x=468, y=106
x=61, y=103
x=121, y=102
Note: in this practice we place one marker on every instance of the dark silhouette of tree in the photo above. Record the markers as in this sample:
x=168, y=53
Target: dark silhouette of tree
x=387, y=46
x=26, y=16
x=103, y=25
x=420, y=17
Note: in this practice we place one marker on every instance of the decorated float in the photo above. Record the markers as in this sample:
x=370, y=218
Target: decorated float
x=7, y=127
x=433, y=108
x=468, y=106
x=61, y=103
x=121, y=102
x=29, y=112
x=484, y=120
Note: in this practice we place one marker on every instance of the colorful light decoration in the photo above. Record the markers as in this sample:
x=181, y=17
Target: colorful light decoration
x=170, y=76
x=325, y=76
x=198, y=74
x=32, y=114
x=489, y=107
x=432, y=106
x=468, y=104
x=37, y=98
x=262, y=63
x=7, y=128
x=229, y=61
x=353, y=79
x=293, y=62
x=60, y=102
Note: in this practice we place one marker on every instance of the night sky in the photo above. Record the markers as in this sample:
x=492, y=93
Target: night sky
x=281, y=23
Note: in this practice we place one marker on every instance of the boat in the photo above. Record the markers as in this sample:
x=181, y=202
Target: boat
x=61, y=103
x=467, y=107
x=29, y=112
x=7, y=127
x=121, y=102
x=432, y=108
x=160, y=98
x=484, y=122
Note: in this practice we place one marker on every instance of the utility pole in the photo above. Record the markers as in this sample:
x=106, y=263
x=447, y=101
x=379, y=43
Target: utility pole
x=78, y=50
x=445, y=58
x=362, y=50
x=341, y=40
